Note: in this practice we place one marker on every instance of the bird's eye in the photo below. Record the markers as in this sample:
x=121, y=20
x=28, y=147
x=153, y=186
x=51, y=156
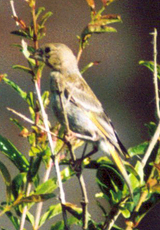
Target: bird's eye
x=47, y=50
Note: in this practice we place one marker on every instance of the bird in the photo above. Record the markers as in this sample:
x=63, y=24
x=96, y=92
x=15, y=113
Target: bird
x=73, y=101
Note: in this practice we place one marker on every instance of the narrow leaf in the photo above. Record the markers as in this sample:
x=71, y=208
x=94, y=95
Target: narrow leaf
x=150, y=65
x=20, y=33
x=30, y=218
x=13, y=154
x=138, y=149
x=39, y=11
x=60, y=224
x=45, y=98
x=18, y=184
x=47, y=187
x=89, y=66
x=52, y=211
x=34, y=198
x=45, y=18
x=16, y=122
x=107, y=19
x=7, y=179
x=98, y=28
x=14, y=86
x=23, y=68
x=15, y=221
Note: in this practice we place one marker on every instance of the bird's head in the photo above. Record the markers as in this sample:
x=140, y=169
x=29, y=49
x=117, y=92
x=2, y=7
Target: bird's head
x=56, y=55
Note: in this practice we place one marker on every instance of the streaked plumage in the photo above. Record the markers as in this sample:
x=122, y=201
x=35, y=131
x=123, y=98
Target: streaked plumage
x=84, y=111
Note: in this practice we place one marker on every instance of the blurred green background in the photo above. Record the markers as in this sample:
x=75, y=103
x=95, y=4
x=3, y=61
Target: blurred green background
x=123, y=86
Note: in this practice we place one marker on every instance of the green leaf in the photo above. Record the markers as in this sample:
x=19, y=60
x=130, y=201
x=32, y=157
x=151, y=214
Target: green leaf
x=60, y=224
x=16, y=122
x=139, y=169
x=35, y=198
x=21, y=33
x=115, y=227
x=23, y=68
x=98, y=28
x=15, y=87
x=138, y=149
x=30, y=100
x=137, y=182
x=30, y=217
x=125, y=212
x=45, y=18
x=110, y=182
x=51, y=212
x=13, y=154
x=7, y=179
x=18, y=184
x=35, y=166
x=15, y=221
x=110, y=1
x=151, y=128
x=150, y=65
x=39, y=11
x=47, y=187
x=45, y=98
x=67, y=173
x=89, y=66
x=106, y=19
x=5, y=174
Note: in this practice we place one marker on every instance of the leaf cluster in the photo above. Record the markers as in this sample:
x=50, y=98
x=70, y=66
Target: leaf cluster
x=144, y=180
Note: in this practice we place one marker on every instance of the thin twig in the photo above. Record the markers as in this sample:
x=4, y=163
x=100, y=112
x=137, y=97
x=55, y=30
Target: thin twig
x=84, y=201
x=155, y=77
x=40, y=205
x=25, y=209
x=114, y=214
x=155, y=71
x=79, y=54
x=45, y=120
x=112, y=221
x=14, y=11
x=156, y=135
x=151, y=145
x=32, y=122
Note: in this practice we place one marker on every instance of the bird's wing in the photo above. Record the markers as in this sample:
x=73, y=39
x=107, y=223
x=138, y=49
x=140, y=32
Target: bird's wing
x=82, y=96
x=106, y=128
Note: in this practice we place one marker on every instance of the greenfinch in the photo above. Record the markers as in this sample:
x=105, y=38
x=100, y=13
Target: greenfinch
x=71, y=95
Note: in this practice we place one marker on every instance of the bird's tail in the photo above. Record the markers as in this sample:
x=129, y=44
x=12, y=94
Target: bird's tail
x=115, y=156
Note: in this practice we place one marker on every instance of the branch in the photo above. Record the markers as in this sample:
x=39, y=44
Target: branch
x=84, y=201
x=25, y=209
x=40, y=205
x=33, y=123
x=155, y=80
x=57, y=167
x=151, y=145
x=14, y=11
